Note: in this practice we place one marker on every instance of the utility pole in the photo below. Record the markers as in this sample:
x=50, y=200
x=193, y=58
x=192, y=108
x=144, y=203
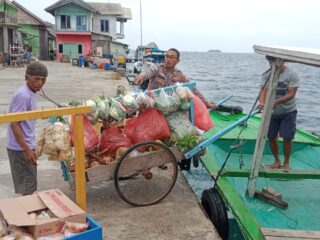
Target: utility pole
x=140, y=24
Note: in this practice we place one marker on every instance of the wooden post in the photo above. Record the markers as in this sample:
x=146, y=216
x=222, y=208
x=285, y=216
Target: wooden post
x=78, y=131
x=263, y=129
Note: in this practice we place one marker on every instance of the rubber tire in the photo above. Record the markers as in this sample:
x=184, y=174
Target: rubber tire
x=214, y=206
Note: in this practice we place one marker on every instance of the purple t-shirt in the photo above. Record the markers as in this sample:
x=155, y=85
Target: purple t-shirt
x=23, y=100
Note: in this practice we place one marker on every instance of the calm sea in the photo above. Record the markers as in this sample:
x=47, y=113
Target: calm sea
x=223, y=74
x=239, y=74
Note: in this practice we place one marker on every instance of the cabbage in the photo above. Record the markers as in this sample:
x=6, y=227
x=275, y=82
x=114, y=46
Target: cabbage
x=129, y=102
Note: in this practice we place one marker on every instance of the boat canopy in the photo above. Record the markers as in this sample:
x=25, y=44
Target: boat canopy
x=309, y=56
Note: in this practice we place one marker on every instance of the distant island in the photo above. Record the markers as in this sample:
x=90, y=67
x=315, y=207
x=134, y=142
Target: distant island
x=215, y=50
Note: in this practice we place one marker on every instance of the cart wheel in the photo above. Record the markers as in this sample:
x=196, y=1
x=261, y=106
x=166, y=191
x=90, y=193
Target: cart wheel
x=145, y=174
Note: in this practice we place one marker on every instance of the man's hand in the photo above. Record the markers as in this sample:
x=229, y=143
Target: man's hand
x=139, y=79
x=30, y=156
x=211, y=106
x=260, y=106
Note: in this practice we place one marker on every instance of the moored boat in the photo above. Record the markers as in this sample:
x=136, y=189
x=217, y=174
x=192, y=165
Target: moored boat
x=292, y=212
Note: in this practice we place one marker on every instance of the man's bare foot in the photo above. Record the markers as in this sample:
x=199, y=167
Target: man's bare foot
x=286, y=167
x=275, y=165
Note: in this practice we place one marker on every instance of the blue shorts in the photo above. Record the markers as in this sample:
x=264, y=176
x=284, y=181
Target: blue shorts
x=284, y=124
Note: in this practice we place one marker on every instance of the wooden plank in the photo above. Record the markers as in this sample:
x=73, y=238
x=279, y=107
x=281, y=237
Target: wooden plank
x=144, y=161
x=301, y=55
x=289, y=233
x=45, y=113
x=263, y=128
x=273, y=173
x=285, y=238
x=271, y=199
x=78, y=130
x=179, y=155
x=101, y=173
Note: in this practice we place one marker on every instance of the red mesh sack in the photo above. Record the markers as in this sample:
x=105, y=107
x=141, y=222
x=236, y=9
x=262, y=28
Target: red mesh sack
x=91, y=137
x=111, y=139
x=148, y=126
x=201, y=115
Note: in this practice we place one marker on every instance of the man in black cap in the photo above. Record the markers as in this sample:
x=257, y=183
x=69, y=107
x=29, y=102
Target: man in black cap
x=21, y=135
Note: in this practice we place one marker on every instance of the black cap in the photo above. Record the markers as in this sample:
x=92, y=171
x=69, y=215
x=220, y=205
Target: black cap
x=37, y=69
x=270, y=58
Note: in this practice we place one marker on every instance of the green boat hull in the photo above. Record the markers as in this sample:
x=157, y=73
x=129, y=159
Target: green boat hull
x=299, y=188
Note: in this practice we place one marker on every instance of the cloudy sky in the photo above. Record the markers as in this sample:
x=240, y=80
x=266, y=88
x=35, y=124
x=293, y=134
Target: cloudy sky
x=228, y=25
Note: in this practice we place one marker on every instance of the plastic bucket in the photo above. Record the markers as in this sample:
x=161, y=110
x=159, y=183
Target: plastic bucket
x=81, y=61
x=107, y=66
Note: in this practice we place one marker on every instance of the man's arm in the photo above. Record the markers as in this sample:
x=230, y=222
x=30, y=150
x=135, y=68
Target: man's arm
x=147, y=74
x=290, y=95
x=29, y=153
x=206, y=102
x=262, y=97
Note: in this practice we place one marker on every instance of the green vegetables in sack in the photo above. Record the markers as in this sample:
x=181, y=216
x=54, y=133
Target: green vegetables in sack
x=117, y=111
x=167, y=103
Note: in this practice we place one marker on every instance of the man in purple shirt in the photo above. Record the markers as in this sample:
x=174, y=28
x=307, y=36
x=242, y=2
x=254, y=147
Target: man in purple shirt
x=21, y=135
x=164, y=75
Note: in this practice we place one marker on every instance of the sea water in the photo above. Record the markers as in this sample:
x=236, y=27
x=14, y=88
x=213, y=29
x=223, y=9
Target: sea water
x=239, y=74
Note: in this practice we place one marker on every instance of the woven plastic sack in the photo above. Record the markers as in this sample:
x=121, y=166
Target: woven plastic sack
x=180, y=125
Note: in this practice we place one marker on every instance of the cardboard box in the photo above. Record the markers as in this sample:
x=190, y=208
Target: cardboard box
x=15, y=211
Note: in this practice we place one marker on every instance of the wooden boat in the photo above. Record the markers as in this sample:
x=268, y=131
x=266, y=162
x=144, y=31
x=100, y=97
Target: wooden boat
x=294, y=214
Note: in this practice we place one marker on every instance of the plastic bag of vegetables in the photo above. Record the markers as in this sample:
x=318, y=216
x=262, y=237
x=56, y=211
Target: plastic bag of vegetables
x=144, y=102
x=185, y=95
x=117, y=111
x=167, y=103
x=93, y=116
x=129, y=102
x=103, y=106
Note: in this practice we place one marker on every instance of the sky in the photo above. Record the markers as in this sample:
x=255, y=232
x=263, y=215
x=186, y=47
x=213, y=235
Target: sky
x=227, y=25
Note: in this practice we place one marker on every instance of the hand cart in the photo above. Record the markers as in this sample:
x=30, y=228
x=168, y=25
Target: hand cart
x=146, y=178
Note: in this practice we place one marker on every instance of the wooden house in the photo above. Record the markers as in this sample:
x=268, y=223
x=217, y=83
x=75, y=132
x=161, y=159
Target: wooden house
x=8, y=26
x=34, y=32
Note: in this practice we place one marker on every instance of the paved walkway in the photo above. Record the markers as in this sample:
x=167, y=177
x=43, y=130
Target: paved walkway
x=178, y=216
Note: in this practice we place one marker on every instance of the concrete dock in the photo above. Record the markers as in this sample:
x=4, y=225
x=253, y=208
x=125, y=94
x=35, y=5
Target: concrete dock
x=178, y=216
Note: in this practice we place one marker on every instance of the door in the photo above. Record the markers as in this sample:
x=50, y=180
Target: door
x=71, y=50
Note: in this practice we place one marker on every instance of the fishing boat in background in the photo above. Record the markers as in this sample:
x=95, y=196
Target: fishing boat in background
x=266, y=203
x=147, y=55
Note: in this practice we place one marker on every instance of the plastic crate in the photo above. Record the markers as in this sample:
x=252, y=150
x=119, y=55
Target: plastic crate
x=94, y=232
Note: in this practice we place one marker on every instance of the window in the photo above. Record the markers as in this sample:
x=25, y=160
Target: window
x=80, y=49
x=65, y=22
x=81, y=23
x=60, y=48
x=104, y=24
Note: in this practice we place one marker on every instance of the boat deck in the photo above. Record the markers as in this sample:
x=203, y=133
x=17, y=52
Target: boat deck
x=299, y=187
